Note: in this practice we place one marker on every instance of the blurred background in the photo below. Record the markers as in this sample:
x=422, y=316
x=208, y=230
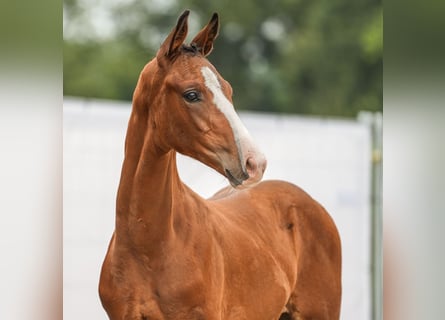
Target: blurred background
x=288, y=56
x=307, y=80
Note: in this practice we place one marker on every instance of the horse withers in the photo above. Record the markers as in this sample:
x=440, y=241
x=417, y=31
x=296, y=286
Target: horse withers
x=256, y=250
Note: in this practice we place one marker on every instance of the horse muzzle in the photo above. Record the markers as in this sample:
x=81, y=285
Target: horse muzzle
x=249, y=173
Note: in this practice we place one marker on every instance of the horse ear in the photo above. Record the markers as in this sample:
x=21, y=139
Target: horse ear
x=174, y=40
x=204, y=39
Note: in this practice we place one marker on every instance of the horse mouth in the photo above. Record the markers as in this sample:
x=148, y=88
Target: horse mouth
x=235, y=182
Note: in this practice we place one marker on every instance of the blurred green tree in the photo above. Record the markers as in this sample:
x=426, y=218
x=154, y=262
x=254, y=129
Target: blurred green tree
x=292, y=56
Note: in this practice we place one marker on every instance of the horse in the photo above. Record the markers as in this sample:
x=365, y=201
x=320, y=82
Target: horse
x=255, y=250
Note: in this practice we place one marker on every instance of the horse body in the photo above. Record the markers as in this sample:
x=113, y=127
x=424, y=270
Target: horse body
x=246, y=253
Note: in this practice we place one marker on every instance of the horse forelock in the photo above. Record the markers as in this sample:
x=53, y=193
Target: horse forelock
x=190, y=49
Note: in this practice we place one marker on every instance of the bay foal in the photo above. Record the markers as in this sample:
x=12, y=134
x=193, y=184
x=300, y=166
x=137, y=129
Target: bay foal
x=254, y=251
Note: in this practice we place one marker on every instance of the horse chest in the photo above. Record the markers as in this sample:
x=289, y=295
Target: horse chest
x=174, y=288
x=157, y=298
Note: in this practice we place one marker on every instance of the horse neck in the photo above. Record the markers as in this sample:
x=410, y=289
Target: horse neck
x=150, y=190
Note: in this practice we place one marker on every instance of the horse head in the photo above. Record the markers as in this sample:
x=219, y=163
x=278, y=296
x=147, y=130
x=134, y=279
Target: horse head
x=191, y=109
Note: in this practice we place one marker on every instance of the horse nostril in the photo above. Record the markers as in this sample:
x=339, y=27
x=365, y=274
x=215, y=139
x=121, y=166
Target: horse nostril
x=251, y=166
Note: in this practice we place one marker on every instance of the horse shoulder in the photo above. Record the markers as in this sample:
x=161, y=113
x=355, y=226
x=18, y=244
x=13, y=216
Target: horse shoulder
x=308, y=223
x=318, y=246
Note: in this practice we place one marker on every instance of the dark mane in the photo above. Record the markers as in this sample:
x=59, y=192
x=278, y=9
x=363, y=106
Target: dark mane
x=192, y=48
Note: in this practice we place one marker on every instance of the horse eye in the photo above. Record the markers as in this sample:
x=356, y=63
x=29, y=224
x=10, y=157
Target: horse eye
x=191, y=96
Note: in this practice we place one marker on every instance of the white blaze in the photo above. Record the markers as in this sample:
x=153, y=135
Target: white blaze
x=242, y=137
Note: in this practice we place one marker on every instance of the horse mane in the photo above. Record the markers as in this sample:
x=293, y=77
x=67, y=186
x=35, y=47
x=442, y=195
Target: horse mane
x=191, y=49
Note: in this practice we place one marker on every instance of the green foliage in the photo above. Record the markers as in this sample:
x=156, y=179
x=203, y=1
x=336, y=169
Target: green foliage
x=293, y=56
x=109, y=69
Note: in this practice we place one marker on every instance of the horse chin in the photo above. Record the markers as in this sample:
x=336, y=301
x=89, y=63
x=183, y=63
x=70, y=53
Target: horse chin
x=240, y=184
x=234, y=179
